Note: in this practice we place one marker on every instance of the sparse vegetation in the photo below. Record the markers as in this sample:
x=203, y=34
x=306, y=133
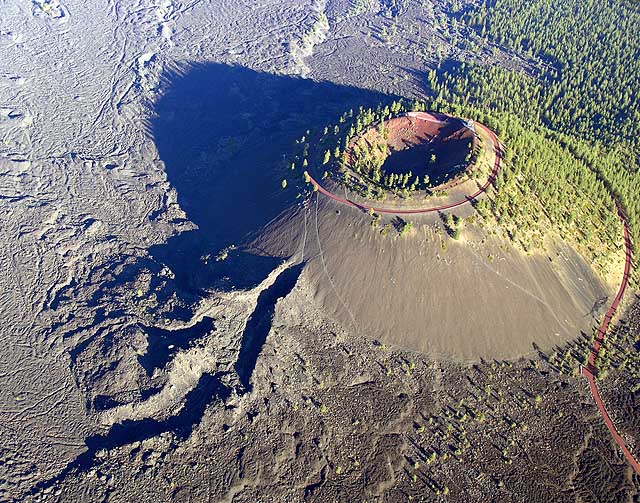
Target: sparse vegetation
x=405, y=228
x=129, y=316
x=547, y=182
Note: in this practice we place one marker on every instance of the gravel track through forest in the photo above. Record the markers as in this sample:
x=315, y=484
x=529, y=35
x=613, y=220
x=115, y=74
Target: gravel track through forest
x=590, y=371
x=95, y=219
x=602, y=331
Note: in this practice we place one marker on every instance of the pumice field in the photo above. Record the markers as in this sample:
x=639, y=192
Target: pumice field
x=324, y=251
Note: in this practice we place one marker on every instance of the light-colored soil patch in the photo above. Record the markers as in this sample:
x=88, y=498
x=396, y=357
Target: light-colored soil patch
x=468, y=298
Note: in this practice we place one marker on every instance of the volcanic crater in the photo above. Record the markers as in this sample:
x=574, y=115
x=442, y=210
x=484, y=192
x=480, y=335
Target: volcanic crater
x=466, y=293
x=429, y=150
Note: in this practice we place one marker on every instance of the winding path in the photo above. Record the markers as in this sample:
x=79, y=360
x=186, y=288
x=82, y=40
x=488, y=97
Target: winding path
x=587, y=371
x=590, y=369
x=399, y=211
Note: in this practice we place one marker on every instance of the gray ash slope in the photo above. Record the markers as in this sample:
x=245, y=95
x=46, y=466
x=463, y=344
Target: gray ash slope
x=470, y=298
x=110, y=252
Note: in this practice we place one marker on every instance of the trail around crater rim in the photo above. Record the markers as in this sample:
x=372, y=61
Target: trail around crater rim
x=604, y=326
x=399, y=211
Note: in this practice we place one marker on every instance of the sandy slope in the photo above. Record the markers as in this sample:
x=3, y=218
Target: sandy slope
x=481, y=298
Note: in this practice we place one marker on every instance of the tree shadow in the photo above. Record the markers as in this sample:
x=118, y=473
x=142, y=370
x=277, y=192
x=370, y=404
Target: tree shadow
x=224, y=134
x=398, y=223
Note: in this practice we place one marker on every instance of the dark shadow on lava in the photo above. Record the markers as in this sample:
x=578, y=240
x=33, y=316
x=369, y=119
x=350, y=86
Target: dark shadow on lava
x=259, y=325
x=163, y=344
x=209, y=389
x=225, y=133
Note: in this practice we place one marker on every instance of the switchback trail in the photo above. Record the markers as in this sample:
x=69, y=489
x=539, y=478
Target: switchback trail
x=589, y=370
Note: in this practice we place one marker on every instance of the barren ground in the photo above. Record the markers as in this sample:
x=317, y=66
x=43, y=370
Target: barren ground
x=138, y=142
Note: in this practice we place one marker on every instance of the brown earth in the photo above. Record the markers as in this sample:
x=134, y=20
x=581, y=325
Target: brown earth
x=412, y=140
x=96, y=286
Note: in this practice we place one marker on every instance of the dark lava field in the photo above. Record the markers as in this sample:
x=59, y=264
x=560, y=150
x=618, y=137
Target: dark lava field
x=179, y=326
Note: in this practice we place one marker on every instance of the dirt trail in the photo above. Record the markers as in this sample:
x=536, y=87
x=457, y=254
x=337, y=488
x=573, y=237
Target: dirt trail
x=589, y=370
x=467, y=199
